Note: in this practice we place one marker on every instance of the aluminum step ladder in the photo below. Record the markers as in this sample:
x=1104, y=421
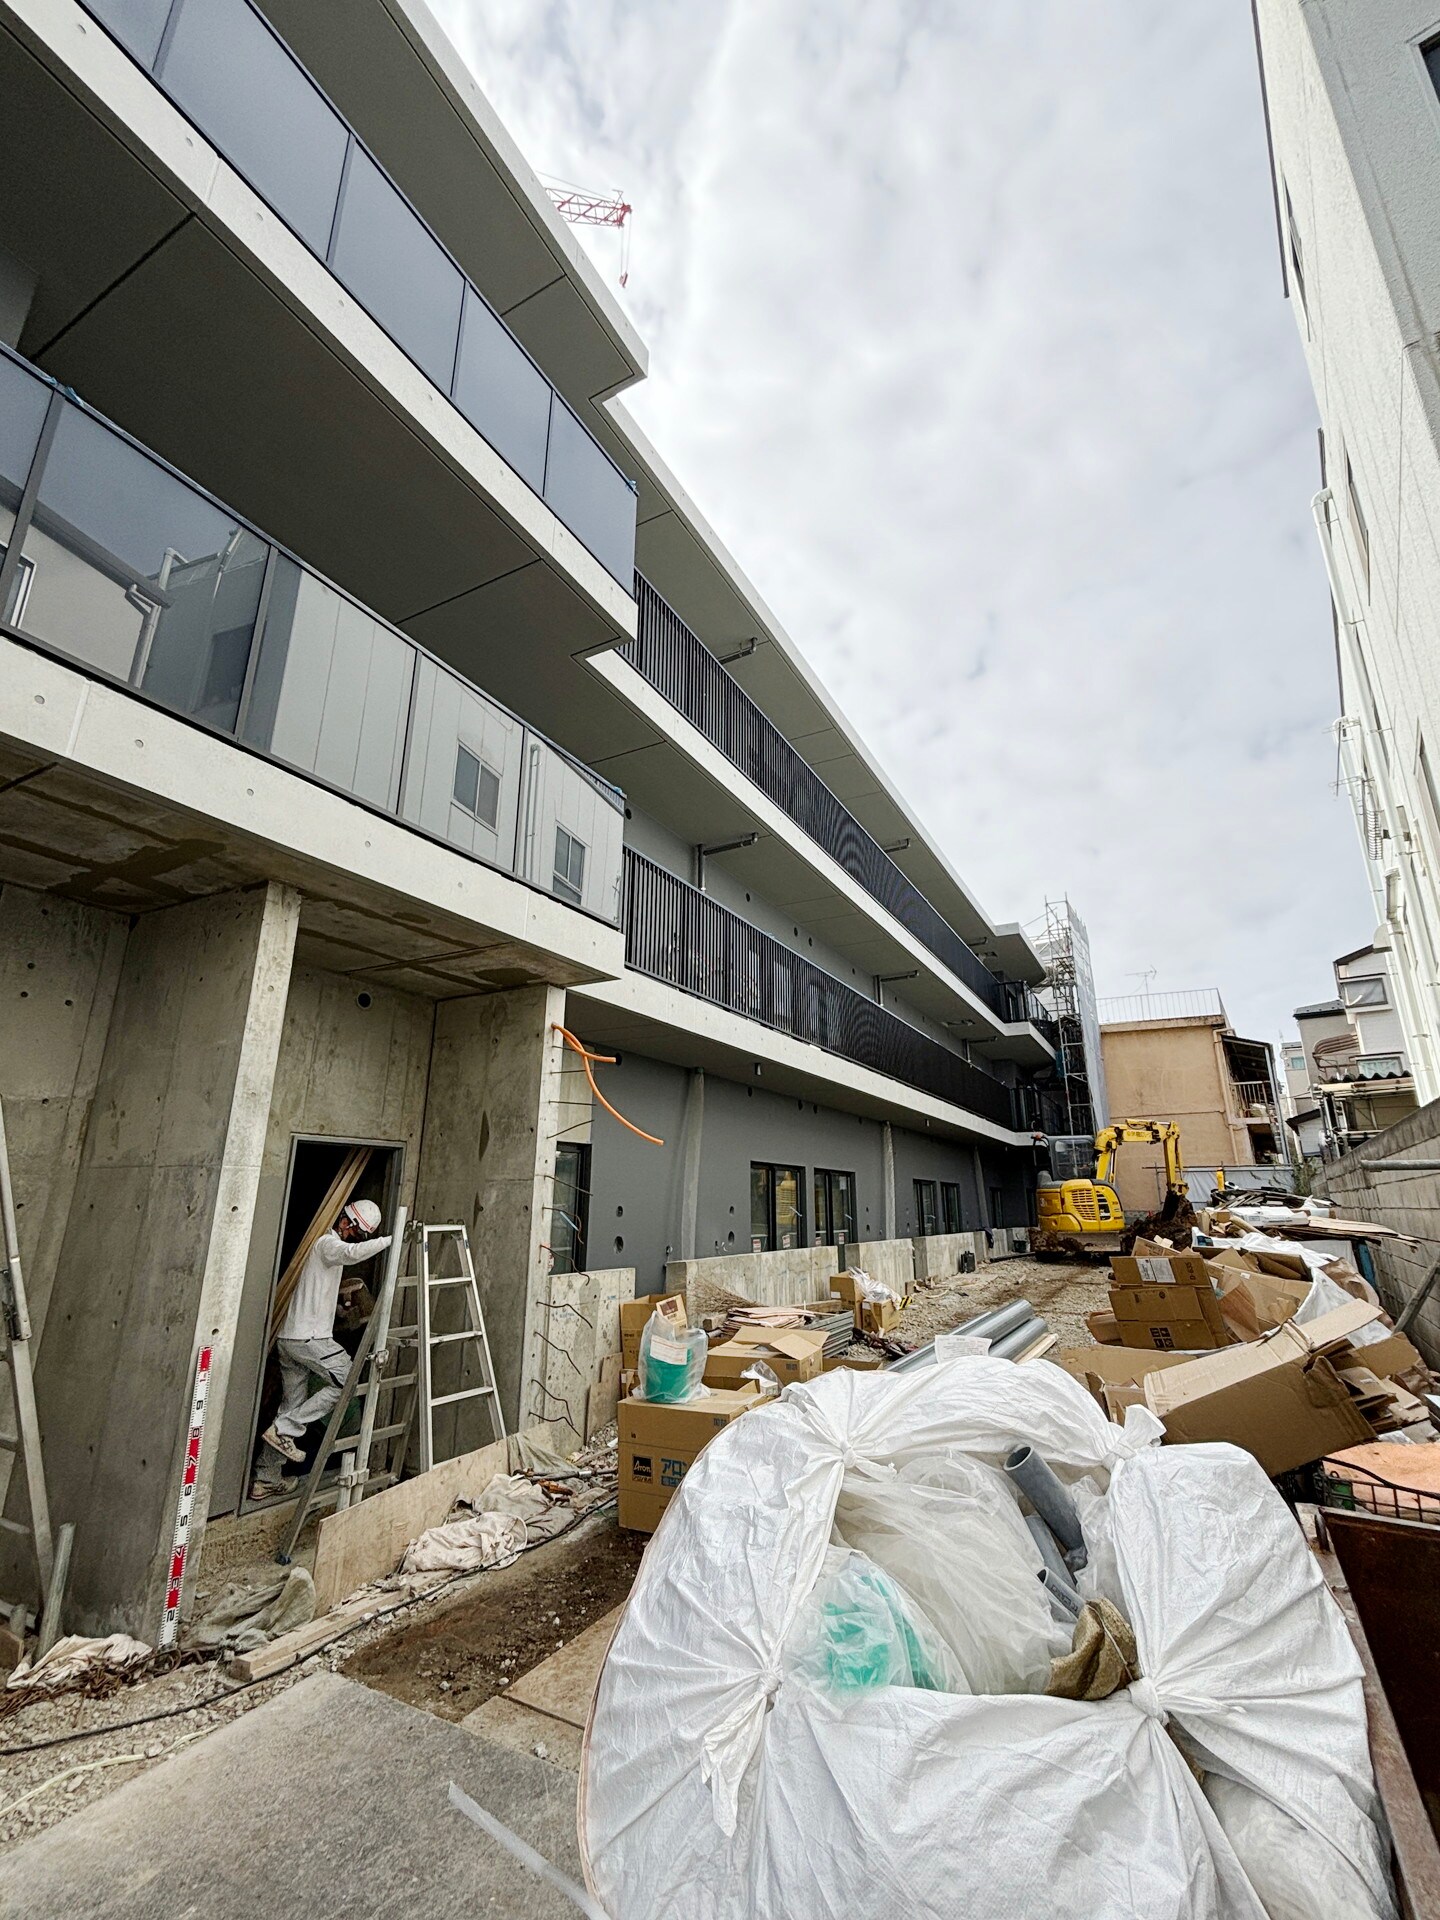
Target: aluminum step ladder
x=473, y=1332
x=370, y=1382
x=409, y=1348
x=52, y=1553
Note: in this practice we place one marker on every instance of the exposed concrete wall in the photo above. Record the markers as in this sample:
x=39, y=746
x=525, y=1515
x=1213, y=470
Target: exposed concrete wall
x=348, y=1071
x=794, y=1276
x=1371, y=1185
x=153, y=1257
x=1177, y=1073
x=937, y=1255
x=487, y=1160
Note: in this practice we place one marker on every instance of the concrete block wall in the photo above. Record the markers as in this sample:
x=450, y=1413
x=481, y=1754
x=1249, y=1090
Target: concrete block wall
x=793, y=1276
x=1372, y=1185
x=892, y=1262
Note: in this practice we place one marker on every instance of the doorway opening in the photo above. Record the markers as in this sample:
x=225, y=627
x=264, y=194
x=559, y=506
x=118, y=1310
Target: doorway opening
x=324, y=1176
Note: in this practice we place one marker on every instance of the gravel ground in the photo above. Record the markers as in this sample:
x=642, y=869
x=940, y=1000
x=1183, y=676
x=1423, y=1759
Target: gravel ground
x=198, y=1699
x=1062, y=1292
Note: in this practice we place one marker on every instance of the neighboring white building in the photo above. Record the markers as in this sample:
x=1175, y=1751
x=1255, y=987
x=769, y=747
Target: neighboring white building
x=375, y=705
x=1354, y=121
x=1356, y=1071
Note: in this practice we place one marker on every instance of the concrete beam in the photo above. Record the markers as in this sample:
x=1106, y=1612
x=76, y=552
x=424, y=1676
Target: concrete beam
x=153, y=1258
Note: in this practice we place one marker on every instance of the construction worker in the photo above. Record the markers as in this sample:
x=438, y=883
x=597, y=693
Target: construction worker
x=306, y=1343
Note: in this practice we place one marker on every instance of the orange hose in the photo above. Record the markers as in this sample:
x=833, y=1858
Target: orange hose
x=605, y=1060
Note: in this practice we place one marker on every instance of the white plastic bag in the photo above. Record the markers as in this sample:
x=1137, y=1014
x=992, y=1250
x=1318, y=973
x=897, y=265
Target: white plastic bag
x=858, y=1630
x=950, y=1531
x=672, y=1360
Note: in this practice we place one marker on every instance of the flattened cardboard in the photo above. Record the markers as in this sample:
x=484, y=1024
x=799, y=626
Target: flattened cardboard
x=854, y=1362
x=1394, y=1354
x=1279, y=1397
x=1115, y=1365
x=635, y=1313
x=1252, y=1302
x=1104, y=1327
x=1170, y=1317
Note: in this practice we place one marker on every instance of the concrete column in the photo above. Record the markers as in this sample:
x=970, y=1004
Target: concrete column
x=153, y=1257
x=17, y=291
x=487, y=1157
x=693, y=1137
x=887, y=1164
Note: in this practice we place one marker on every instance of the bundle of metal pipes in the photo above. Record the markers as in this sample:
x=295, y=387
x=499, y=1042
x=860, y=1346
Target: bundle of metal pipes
x=1010, y=1330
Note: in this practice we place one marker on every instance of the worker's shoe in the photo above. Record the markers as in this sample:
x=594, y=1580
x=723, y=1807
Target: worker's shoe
x=283, y=1444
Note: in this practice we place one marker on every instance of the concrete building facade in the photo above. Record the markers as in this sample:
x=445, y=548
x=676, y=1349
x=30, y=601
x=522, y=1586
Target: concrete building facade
x=1355, y=1070
x=1175, y=1057
x=376, y=709
x=1354, y=124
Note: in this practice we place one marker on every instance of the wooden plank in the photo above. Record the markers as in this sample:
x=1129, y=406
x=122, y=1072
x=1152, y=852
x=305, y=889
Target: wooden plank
x=341, y=1188
x=1037, y=1348
x=564, y=1684
x=303, y=1641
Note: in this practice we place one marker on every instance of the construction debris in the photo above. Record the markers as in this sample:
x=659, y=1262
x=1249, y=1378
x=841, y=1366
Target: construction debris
x=73, y=1657
x=244, y=1618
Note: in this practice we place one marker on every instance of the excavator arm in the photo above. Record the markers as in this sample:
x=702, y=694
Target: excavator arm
x=1141, y=1133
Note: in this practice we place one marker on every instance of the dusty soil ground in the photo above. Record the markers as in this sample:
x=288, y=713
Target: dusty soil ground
x=453, y=1661
x=1062, y=1292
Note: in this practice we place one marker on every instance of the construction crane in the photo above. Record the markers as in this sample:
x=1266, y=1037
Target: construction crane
x=585, y=209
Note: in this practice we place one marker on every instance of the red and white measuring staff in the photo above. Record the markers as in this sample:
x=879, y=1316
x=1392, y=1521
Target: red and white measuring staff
x=170, y=1622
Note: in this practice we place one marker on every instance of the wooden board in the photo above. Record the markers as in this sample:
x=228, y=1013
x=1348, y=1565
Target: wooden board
x=304, y=1641
x=564, y=1684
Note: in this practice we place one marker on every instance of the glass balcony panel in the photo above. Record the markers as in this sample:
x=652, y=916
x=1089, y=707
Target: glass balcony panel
x=134, y=573
x=241, y=87
x=456, y=728
x=397, y=270
x=136, y=24
x=501, y=392
x=23, y=400
x=572, y=833
x=590, y=495
x=332, y=688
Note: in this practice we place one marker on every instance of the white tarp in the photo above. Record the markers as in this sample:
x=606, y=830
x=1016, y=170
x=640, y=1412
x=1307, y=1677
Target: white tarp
x=713, y=1791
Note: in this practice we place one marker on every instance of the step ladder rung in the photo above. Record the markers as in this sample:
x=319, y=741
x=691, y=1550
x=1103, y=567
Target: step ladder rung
x=388, y=1433
x=9, y=1442
x=15, y=1526
x=445, y=1339
x=451, y=1280
x=467, y=1393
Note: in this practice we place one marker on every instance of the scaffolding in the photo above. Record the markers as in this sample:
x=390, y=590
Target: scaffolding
x=1069, y=993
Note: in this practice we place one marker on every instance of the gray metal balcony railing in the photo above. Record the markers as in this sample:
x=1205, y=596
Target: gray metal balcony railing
x=233, y=77
x=1189, y=1003
x=677, y=934
x=120, y=565
x=679, y=665
x=1250, y=1094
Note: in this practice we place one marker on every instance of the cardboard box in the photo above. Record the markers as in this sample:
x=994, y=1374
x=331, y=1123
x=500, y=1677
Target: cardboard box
x=1280, y=1398
x=1171, y=1318
x=658, y=1445
x=876, y=1316
x=633, y=1316
x=1104, y=1327
x=791, y=1353
x=1116, y=1365
x=854, y=1362
x=1394, y=1354
x=1253, y=1303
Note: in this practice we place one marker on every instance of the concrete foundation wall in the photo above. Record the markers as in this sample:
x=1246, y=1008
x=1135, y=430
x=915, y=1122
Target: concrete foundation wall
x=354, y=1065
x=487, y=1161
x=938, y=1255
x=1372, y=1185
x=153, y=1257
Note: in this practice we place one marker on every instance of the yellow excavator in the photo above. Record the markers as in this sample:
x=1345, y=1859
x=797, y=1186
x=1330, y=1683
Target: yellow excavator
x=1085, y=1216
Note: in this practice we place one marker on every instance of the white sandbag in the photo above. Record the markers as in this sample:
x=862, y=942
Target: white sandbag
x=949, y=1530
x=467, y=1546
x=717, y=1788
x=1296, y=1872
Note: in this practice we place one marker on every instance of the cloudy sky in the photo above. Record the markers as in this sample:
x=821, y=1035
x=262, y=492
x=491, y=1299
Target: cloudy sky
x=967, y=333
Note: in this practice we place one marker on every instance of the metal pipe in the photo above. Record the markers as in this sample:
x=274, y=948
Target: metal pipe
x=1018, y=1339
x=990, y=1325
x=1037, y=1481
x=1410, y=1311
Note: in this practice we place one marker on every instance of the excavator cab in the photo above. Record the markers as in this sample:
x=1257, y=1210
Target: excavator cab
x=1085, y=1216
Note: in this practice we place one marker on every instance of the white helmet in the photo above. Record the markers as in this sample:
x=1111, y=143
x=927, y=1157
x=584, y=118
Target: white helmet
x=364, y=1214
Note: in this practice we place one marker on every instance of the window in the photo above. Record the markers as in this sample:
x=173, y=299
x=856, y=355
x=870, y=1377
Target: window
x=834, y=1208
x=1358, y=524
x=477, y=787
x=568, y=880
x=927, y=1207
x=777, y=1220
x=1297, y=252
x=1368, y=990
x=570, y=1208
x=950, y=1212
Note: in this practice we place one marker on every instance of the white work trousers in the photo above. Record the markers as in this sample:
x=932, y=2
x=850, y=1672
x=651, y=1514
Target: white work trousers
x=299, y=1359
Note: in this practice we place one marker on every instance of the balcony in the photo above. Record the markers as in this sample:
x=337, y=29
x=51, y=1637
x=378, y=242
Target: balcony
x=1255, y=1100
x=681, y=668
x=114, y=562
x=225, y=68
x=679, y=935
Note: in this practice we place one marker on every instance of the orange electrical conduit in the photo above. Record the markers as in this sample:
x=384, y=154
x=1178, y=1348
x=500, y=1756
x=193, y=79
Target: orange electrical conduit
x=604, y=1060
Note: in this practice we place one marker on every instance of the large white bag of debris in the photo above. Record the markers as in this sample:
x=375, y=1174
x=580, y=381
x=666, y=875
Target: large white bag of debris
x=720, y=1783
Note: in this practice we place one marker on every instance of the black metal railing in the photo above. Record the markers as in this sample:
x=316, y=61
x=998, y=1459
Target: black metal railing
x=677, y=934
x=229, y=72
x=678, y=664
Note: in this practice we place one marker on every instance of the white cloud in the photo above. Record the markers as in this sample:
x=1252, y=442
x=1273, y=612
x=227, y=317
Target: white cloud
x=967, y=334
